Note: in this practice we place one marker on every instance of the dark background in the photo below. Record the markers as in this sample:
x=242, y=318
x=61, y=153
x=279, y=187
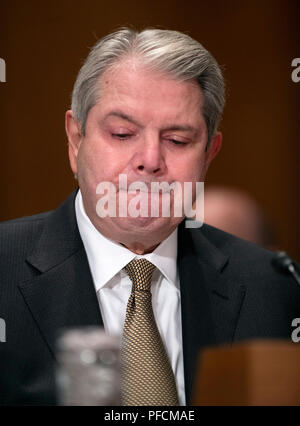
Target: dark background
x=44, y=44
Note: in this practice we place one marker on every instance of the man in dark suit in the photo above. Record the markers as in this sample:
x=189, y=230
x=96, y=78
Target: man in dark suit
x=145, y=105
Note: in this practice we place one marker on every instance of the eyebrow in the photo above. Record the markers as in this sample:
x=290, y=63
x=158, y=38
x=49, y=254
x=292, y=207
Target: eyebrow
x=173, y=127
x=126, y=117
x=180, y=127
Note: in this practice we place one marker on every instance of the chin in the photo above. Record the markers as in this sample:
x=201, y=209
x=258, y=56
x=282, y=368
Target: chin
x=146, y=225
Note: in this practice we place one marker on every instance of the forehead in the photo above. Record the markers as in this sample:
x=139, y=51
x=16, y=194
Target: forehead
x=149, y=93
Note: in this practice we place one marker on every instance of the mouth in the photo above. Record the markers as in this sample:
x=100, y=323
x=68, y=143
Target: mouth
x=141, y=191
x=147, y=188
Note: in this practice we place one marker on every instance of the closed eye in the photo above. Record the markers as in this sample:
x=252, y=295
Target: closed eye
x=176, y=142
x=121, y=136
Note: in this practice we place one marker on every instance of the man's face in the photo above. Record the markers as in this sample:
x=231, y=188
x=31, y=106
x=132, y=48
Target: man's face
x=148, y=127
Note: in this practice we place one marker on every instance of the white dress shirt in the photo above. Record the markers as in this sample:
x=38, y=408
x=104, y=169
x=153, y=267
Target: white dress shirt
x=107, y=258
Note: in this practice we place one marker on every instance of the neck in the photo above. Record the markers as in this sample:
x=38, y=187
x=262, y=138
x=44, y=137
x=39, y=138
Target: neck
x=138, y=248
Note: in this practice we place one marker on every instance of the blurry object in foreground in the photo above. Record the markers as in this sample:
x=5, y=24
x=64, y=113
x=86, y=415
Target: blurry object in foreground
x=236, y=212
x=89, y=367
x=258, y=372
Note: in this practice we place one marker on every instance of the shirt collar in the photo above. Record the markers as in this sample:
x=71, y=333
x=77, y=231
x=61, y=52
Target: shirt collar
x=107, y=258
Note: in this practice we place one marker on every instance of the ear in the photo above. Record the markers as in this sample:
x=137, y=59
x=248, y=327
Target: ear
x=75, y=137
x=213, y=149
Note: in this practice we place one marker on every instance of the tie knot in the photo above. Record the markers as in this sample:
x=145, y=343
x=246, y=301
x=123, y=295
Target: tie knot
x=140, y=272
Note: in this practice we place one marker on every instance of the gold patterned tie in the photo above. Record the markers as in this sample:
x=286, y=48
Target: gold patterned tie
x=147, y=376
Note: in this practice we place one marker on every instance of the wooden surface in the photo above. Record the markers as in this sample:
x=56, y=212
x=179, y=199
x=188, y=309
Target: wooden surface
x=259, y=372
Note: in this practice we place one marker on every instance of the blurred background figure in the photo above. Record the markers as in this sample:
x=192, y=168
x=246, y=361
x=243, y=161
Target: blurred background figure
x=236, y=211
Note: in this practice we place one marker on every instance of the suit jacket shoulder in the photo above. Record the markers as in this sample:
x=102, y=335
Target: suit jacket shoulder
x=45, y=285
x=271, y=298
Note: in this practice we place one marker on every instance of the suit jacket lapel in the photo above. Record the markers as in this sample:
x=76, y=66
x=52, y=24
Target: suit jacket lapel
x=210, y=305
x=63, y=293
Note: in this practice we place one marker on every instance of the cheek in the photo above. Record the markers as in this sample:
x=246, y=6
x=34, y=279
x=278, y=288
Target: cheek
x=89, y=164
x=99, y=163
x=188, y=168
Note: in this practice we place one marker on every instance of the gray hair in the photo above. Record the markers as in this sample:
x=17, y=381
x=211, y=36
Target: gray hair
x=170, y=52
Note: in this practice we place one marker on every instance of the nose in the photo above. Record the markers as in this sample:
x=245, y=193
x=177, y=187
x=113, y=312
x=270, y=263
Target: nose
x=149, y=160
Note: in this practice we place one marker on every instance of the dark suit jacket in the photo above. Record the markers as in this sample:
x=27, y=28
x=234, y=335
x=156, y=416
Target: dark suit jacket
x=229, y=292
